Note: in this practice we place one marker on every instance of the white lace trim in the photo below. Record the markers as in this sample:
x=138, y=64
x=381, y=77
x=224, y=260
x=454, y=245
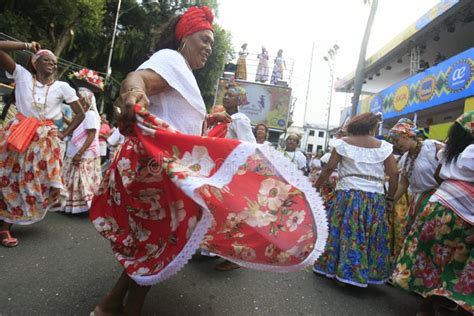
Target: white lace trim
x=362, y=154
x=222, y=177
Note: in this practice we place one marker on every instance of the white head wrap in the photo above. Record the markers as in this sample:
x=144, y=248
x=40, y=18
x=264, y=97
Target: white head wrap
x=88, y=95
x=40, y=53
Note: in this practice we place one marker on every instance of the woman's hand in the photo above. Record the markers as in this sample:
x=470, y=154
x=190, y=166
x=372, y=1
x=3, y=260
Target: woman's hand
x=123, y=107
x=34, y=47
x=76, y=160
x=221, y=117
x=61, y=135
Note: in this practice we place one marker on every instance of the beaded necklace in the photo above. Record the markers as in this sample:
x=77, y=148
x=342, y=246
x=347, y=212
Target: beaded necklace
x=36, y=105
x=407, y=172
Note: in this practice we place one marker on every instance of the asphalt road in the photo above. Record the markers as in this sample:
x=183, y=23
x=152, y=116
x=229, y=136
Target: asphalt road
x=64, y=267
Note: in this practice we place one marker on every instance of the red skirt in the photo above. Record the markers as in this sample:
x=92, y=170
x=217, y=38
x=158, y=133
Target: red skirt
x=166, y=194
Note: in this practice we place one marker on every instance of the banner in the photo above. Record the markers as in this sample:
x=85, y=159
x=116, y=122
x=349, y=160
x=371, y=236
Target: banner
x=449, y=81
x=266, y=104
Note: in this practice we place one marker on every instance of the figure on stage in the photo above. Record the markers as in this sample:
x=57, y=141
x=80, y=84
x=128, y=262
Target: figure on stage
x=241, y=72
x=262, y=68
x=278, y=67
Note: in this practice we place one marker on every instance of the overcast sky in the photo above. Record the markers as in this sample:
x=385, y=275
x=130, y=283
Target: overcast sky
x=294, y=25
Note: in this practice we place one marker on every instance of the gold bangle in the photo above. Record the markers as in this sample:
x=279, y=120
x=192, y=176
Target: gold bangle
x=134, y=89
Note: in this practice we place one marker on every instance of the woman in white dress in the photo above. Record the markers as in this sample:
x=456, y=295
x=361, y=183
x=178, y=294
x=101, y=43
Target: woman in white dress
x=30, y=146
x=262, y=68
x=358, y=249
x=82, y=172
x=418, y=166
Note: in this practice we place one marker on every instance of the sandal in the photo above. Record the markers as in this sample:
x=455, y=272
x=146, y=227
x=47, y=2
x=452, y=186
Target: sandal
x=226, y=266
x=8, y=241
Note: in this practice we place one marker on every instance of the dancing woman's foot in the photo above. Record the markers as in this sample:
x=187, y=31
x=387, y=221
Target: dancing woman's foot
x=226, y=266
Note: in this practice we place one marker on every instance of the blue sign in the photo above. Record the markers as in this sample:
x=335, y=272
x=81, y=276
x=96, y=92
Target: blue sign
x=448, y=81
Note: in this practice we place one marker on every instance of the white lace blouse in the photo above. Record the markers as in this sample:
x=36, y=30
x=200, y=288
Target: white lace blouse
x=422, y=177
x=181, y=106
x=361, y=168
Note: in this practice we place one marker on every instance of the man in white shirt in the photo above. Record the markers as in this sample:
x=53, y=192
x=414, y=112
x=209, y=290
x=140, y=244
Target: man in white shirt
x=240, y=127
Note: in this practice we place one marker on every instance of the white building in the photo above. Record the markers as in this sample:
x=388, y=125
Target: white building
x=313, y=136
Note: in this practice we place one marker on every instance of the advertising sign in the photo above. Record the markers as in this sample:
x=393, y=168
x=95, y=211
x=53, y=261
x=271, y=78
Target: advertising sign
x=266, y=104
x=449, y=81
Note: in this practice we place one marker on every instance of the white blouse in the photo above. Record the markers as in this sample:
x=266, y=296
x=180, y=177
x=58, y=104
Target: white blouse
x=296, y=157
x=240, y=128
x=422, y=177
x=48, y=106
x=181, y=106
x=361, y=168
x=460, y=169
x=91, y=121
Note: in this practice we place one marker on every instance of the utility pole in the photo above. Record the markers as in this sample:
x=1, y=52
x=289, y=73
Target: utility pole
x=307, y=95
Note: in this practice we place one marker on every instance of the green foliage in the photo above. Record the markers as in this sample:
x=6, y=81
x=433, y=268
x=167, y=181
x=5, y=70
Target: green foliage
x=81, y=31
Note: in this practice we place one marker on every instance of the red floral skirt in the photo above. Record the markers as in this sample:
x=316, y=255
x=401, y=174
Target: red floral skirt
x=26, y=179
x=166, y=194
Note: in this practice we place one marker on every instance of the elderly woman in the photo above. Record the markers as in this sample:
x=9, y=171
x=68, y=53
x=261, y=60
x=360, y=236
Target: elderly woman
x=418, y=165
x=261, y=134
x=358, y=251
x=30, y=147
x=437, y=260
x=82, y=171
x=170, y=191
x=294, y=155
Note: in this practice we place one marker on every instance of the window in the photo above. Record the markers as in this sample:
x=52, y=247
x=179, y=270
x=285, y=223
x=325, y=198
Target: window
x=319, y=148
x=311, y=133
x=321, y=134
x=310, y=148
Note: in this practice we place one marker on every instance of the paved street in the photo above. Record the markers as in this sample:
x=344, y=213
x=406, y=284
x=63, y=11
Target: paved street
x=63, y=267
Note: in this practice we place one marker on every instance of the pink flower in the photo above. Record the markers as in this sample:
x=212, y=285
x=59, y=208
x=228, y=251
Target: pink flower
x=465, y=285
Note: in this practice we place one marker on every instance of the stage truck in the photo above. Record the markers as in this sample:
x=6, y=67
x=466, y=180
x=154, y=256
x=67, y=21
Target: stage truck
x=266, y=103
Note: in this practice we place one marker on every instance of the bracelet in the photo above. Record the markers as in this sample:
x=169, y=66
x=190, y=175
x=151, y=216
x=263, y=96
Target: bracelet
x=28, y=46
x=134, y=89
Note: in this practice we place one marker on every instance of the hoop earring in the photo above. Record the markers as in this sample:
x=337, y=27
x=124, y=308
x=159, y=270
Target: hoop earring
x=182, y=47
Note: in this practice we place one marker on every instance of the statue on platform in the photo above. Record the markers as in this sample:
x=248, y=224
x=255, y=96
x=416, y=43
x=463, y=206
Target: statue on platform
x=241, y=72
x=278, y=67
x=262, y=68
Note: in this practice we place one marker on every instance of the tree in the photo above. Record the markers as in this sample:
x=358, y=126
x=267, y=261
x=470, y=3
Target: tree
x=360, y=71
x=81, y=32
x=53, y=22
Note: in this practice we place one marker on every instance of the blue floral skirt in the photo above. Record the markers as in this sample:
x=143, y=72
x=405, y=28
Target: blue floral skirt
x=358, y=246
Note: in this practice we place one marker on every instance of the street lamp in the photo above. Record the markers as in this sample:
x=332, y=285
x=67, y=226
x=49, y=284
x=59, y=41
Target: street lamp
x=109, y=60
x=117, y=16
x=331, y=60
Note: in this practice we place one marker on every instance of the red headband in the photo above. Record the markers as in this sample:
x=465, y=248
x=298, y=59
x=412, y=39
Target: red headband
x=195, y=19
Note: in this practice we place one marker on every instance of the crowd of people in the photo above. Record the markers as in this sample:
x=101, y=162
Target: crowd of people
x=170, y=179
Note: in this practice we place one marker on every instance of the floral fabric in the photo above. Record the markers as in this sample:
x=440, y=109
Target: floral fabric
x=26, y=179
x=168, y=193
x=358, y=246
x=81, y=182
x=400, y=213
x=438, y=257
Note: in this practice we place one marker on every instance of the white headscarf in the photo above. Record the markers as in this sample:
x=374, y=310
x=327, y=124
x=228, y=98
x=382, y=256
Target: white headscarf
x=89, y=96
x=40, y=53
